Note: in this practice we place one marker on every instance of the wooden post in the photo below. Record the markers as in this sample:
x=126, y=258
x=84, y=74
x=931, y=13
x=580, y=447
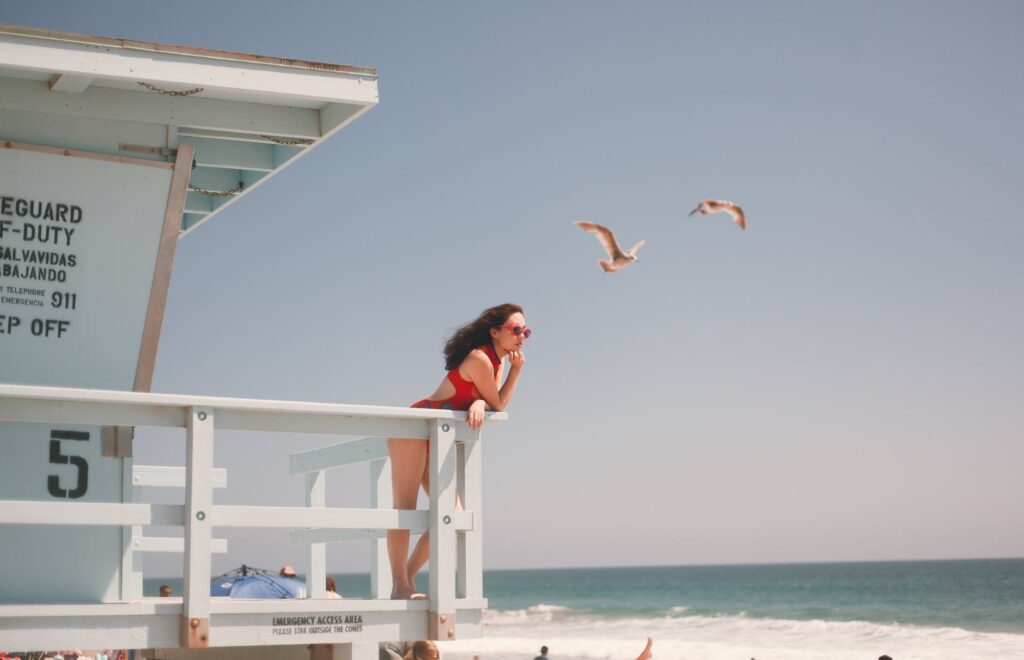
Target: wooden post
x=316, y=576
x=469, y=581
x=380, y=498
x=441, y=625
x=131, y=561
x=195, y=620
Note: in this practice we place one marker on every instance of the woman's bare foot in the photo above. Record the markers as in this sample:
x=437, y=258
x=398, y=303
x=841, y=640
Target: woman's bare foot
x=407, y=594
x=647, y=650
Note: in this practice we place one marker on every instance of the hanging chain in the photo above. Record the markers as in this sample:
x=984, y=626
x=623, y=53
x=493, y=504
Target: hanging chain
x=217, y=193
x=187, y=92
x=287, y=142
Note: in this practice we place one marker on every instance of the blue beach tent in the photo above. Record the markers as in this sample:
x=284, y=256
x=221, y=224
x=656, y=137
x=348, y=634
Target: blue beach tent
x=249, y=582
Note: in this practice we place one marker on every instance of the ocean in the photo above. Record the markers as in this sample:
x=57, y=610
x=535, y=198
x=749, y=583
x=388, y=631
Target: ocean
x=927, y=610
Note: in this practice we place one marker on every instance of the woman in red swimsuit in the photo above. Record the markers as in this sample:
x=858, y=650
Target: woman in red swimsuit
x=473, y=357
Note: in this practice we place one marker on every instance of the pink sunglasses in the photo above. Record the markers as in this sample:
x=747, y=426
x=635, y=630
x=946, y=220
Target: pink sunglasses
x=517, y=330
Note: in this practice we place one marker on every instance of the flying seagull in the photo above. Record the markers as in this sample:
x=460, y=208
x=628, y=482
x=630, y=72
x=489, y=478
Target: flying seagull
x=709, y=206
x=619, y=259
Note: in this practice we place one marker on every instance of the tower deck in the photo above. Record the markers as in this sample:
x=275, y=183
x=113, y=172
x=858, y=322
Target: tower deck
x=198, y=620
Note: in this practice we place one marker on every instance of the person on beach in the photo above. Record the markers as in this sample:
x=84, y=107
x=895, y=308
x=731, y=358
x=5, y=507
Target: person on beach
x=543, y=654
x=165, y=590
x=473, y=358
x=393, y=650
x=646, y=653
x=423, y=650
x=332, y=588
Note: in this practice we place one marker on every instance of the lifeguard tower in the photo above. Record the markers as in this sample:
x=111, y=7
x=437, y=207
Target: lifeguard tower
x=110, y=151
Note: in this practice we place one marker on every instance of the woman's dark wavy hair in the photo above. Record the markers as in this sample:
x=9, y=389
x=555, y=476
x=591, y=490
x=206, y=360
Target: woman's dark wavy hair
x=476, y=334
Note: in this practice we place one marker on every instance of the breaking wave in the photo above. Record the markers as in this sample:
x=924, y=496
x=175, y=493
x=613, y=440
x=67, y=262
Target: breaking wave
x=582, y=635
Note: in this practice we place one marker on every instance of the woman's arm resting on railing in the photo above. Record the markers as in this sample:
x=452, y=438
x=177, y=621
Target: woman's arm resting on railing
x=491, y=397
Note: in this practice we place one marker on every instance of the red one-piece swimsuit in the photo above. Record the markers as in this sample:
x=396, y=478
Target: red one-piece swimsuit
x=465, y=392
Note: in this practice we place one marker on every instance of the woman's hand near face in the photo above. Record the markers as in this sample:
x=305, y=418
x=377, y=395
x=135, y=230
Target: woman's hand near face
x=516, y=360
x=475, y=414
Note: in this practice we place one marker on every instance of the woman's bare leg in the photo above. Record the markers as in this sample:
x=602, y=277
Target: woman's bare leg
x=408, y=464
x=421, y=553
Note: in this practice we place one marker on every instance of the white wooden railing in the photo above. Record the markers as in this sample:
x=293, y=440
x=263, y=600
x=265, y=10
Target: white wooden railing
x=455, y=566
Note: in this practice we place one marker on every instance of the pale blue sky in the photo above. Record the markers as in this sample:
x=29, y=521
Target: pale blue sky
x=841, y=382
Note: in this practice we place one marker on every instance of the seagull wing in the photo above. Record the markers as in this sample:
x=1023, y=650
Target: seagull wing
x=632, y=250
x=732, y=209
x=604, y=236
x=737, y=214
x=718, y=206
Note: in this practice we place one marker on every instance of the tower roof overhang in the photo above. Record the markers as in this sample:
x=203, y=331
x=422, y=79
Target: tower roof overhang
x=247, y=116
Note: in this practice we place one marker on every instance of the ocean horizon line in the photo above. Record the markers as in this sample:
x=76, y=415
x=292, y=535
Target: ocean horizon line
x=829, y=562
x=695, y=565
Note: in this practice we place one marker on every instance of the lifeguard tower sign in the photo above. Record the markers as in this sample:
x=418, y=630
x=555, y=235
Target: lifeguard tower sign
x=80, y=240
x=110, y=150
